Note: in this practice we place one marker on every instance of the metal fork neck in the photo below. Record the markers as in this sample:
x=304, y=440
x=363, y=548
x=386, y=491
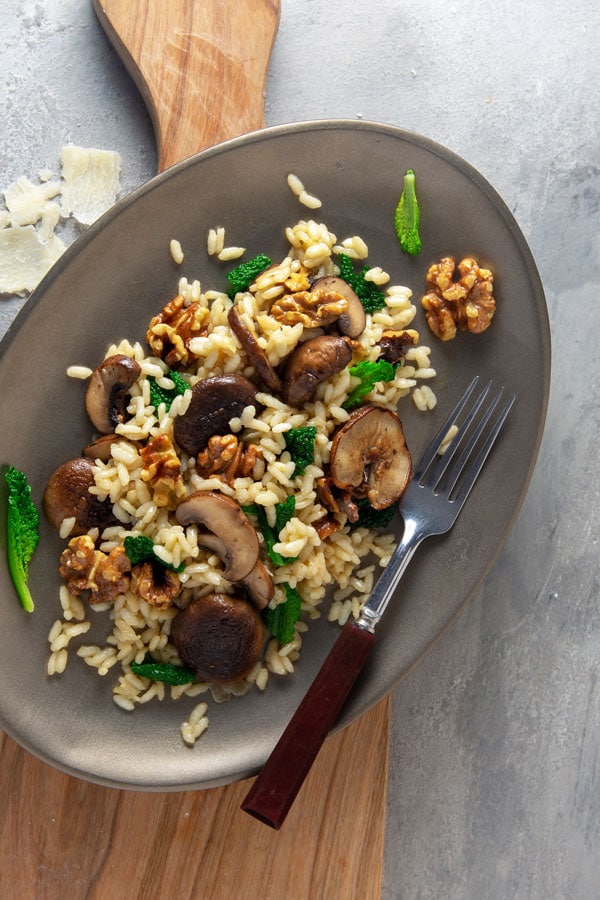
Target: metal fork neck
x=377, y=603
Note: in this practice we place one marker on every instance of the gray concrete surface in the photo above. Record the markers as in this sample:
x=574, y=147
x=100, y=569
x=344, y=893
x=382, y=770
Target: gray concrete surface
x=494, y=775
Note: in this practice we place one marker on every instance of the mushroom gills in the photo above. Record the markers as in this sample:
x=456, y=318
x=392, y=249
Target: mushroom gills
x=106, y=394
x=257, y=356
x=369, y=456
x=225, y=530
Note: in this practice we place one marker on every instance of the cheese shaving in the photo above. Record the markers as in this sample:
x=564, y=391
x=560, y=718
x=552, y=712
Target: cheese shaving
x=29, y=245
x=25, y=258
x=90, y=182
x=25, y=201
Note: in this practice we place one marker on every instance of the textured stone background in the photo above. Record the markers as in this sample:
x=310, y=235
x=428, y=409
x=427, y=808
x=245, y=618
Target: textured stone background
x=495, y=748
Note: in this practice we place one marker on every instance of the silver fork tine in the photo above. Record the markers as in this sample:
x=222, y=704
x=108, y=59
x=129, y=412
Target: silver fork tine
x=456, y=469
x=444, y=462
x=432, y=450
x=476, y=465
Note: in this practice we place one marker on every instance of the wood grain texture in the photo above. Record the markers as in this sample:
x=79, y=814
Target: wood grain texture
x=62, y=837
x=201, y=67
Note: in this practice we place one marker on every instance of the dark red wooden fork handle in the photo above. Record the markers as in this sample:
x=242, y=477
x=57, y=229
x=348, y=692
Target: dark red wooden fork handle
x=272, y=794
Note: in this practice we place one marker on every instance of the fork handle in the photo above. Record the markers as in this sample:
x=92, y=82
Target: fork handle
x=275, y=788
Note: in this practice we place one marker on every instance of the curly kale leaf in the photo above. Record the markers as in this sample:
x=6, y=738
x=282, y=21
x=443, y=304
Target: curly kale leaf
x=140, y=549
x=283, y=513
x=243, y=275
x=160, y=395
x=368, y=293
x=407, y=216
x=300, y=442
x=369, y=372
x=281, y=621
x=22, y=533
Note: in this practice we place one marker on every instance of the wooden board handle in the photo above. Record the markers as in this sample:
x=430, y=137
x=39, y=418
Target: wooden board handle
x=201, y=67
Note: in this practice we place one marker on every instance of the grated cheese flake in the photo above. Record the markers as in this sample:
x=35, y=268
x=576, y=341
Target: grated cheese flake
x=25, y=201
x=25, y=258
x=91, y=182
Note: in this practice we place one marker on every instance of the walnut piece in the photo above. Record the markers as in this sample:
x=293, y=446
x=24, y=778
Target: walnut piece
x=105, y=576
x=170, y=332
x=458, y=297
x=226, y=458
x=161, y=469
x=298, y=280
x=158, y=590
x=313, y=309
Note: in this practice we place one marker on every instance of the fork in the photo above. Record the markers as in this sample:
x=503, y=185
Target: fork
x=430, y=506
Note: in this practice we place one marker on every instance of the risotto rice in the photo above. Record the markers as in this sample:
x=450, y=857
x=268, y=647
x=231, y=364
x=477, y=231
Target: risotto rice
x=344, y=563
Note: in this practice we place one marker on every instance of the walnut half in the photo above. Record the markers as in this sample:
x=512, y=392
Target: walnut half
x=171, y=331
x=458, y=297
x=105, y=576
x=226, y=458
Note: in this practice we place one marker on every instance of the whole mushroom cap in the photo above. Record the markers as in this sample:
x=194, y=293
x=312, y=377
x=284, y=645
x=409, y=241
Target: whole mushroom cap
x=215, y=401
x=219, y=637
x=67, y=495
x=312, y=363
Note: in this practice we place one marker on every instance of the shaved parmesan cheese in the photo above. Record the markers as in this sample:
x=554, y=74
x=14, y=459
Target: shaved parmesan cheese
x=29, y=244
x=24, y=258
x=49, y=221
x=25, y=201
x=90, y=182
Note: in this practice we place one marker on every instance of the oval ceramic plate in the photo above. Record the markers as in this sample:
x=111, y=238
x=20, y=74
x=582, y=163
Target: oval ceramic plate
x=117, y=276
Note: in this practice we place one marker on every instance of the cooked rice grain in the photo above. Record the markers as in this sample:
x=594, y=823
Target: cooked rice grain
x=345, y=563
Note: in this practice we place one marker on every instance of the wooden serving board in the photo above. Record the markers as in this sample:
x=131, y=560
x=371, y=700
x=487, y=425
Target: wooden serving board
x=201, y=66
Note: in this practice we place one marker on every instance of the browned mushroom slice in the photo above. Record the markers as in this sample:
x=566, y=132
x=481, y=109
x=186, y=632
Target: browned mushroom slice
x=312, y=363
x=215, y=401
x=394, y=345
x=106, y=395
x=219, y=637
x=352, y=322
x=228, y=531
x=67, y=495
x=101, y=448
x=255, y=352
x=259, y=585
x=369, y=456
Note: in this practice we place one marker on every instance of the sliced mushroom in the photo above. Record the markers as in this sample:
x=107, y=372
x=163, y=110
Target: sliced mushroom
x=369, y=456
x=219, y=637
x=228, y=531
x=259, y=585
x=67, y=495
x=311, y=363
x=101, y=448
x=106, y=395
x=394, y=345
x=255, y=352
x=215, y=401
x=354, y=321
